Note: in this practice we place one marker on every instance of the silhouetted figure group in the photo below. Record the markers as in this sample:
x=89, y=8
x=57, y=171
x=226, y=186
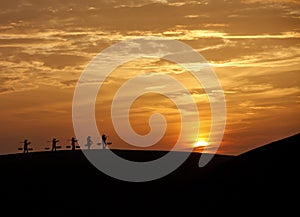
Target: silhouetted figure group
x=73, y=140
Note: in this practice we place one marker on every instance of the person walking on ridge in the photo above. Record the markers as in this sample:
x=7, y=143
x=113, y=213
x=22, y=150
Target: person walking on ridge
x=104, y=138
x=26, y=143
x=73, y=143
x=54, y=141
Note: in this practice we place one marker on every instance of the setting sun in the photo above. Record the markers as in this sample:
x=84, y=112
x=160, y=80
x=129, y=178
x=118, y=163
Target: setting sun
x=201, y=143
x=46, y=47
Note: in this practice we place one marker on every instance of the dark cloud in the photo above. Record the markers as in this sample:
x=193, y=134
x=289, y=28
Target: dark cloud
x=69, y=82
x=5, y=89
x=60, y=61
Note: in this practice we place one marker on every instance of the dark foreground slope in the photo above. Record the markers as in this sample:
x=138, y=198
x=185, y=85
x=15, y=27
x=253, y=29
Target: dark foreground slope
x=272, y=167
x=66, y=174
x=265, y=178
x=249, y=182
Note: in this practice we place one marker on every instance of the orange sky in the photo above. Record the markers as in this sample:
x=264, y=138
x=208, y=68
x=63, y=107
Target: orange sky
x=253, y=47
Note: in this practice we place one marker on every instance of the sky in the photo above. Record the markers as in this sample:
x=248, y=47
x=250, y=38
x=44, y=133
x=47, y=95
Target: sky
x=252, y=46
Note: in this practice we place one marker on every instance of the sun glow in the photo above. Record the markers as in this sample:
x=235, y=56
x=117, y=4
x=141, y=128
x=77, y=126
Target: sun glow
x=200, y=143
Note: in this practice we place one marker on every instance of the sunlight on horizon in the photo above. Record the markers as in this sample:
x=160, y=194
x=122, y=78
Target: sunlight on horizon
x=200, y=143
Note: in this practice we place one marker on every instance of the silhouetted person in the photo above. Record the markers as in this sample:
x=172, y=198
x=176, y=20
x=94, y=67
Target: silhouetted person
x=89, y=142
x=104, y=138
x=54, y=141
x=26, y=143
x=73, y=143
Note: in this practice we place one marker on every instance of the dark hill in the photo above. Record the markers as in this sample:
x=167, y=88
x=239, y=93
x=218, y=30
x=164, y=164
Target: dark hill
x=48, y=174
x=264, y=178
x=250, y=181
x=276, y=163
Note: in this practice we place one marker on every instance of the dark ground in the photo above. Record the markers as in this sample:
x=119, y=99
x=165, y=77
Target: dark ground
x=263, y=181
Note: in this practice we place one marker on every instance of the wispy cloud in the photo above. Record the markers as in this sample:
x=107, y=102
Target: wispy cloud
x=252, y=45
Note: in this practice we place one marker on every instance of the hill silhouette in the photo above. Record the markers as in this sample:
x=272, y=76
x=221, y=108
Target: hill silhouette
x=253, y=179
